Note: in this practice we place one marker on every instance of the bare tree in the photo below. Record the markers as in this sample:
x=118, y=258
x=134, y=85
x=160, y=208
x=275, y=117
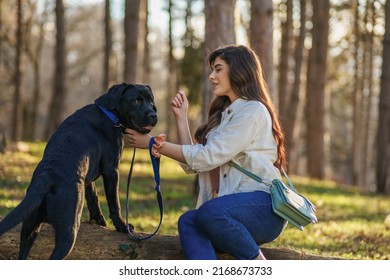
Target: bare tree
x=290, y=123
x=172, y=77
x=219, y=31
x=284, y=58
x=58, y=97
x=261, y=37
x=145, y=59
x=142, y=42
x=363, y=91
x=368, y=96
x=107, y=45
x=315, y=90
x=2, y=133
x=357, y=99
x=16, y=111
x=33, y=48
x=191, y=66
x=132, y=12
x=383, y=147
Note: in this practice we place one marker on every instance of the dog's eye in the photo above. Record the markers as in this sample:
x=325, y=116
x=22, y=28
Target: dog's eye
x=137, y=101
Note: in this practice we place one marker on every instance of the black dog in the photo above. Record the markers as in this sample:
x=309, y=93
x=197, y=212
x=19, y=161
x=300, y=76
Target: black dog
x=86, y=145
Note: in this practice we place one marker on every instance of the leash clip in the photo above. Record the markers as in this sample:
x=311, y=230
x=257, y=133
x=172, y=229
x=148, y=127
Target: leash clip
x=111, y=116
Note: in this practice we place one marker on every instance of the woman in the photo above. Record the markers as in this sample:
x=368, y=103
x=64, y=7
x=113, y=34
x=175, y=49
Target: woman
x=234, y=212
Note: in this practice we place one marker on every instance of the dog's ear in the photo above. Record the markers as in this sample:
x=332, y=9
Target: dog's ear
x=151, y=92
x=111, y=99
x=115, y=95
x=149, y=88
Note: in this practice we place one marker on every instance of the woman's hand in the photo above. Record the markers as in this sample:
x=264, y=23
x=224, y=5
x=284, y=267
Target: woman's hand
x=179, y=105
x=135, y=139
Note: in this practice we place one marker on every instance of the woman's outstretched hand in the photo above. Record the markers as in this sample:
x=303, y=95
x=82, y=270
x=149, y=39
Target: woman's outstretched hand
x=135, y=139
x=179, y=104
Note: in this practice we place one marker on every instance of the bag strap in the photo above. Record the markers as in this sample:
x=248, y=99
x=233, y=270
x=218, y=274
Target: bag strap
x=260, y=179
x=246, y=172
x=289, y=181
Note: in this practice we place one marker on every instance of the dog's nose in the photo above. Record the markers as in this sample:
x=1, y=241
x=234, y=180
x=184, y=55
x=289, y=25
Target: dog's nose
x=152, y=117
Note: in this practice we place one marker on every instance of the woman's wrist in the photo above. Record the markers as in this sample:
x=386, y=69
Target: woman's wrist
x=159, y=142
x=182, y=118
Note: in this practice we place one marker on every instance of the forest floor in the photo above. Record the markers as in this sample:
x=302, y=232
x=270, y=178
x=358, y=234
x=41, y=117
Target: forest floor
x=352, y=224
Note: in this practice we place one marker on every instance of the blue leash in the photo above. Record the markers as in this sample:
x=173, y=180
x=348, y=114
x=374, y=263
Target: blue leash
x=156, y=171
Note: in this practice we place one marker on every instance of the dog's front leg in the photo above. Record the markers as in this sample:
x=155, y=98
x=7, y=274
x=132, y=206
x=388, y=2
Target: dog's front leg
x=95, y=212
x=111, y=186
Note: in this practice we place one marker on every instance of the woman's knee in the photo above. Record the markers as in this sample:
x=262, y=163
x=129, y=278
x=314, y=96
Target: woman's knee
x=210, y=220
x=186, y=220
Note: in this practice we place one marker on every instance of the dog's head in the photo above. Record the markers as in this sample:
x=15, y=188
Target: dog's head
x=133, y=104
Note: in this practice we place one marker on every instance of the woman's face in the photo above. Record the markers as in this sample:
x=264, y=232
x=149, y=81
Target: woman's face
x=220, y=81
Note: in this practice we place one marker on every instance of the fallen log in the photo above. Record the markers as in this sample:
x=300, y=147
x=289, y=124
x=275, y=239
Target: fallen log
x=95, y=242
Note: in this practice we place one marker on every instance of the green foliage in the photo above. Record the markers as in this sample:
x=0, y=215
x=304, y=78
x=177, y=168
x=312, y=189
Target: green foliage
x=351, y=223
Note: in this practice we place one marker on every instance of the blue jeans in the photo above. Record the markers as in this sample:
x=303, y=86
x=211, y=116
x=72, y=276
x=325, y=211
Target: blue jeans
x=235, y=224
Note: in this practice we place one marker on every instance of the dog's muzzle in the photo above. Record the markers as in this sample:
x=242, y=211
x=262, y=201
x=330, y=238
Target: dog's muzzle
x=152, y=120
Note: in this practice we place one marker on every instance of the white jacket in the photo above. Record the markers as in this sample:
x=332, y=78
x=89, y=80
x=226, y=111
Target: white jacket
x=245, y=137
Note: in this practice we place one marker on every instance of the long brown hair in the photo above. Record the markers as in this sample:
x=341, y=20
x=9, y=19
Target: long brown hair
x=247, y=81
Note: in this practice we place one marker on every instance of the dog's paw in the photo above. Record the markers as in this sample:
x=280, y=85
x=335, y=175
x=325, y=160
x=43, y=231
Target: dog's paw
x=99, y=221
x=121, y=227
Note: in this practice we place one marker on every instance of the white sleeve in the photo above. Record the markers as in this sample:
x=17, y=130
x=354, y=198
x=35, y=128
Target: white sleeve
x=228, y=140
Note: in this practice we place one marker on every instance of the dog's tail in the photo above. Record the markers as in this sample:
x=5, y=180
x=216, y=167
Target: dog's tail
x=33, y=199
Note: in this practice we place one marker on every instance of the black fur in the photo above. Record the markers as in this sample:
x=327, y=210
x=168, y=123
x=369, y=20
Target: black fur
x=85, y=146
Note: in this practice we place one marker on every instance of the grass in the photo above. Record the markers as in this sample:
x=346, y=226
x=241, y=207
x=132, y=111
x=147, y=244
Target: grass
x=351, y=223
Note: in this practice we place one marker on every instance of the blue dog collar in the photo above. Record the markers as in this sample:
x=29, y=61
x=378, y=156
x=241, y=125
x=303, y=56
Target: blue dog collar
x=110, y=115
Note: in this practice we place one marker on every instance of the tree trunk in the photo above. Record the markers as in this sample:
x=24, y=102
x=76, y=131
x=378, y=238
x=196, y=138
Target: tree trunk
x=315, y=91
x=284, y=60
x=367, y=129
x=141, y=41
x=145, y=69
x=34, y=55
x=99, y=243
x=58, y=98
x=362, y=105
x=171, y=78
x=132, y=11
x=383, y=147
x=17, y=106
x=290, y=123
x=357, y=99
x=107, y=46
x=219, y=32
x=261, y=37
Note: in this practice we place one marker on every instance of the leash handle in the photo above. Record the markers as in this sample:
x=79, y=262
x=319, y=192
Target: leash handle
x=156, y=171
